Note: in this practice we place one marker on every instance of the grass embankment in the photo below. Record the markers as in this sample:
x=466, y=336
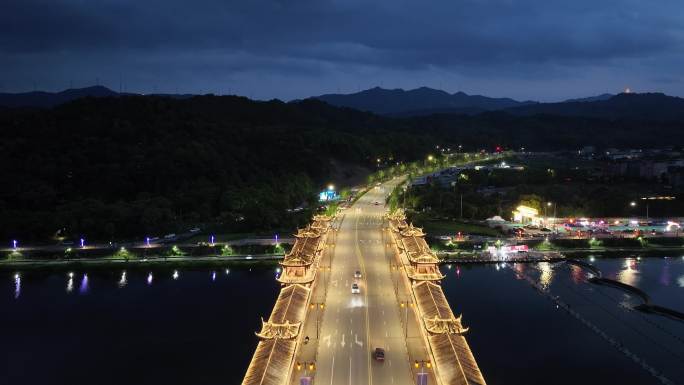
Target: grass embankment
x=444, y=227
x=137, y=264
x=171, y=254
x=570, y=245
x=436, y=226
x=226, y=237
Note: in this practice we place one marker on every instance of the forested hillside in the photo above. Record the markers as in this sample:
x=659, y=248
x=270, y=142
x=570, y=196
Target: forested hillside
x=130, y=166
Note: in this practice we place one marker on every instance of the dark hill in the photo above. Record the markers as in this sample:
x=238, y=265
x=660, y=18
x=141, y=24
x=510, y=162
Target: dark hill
x=128, y=166
x=418, y=101
x=646, y=106
x=131, y=166
x=51, y=99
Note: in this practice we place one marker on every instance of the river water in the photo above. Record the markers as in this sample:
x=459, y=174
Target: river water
x=197, y=326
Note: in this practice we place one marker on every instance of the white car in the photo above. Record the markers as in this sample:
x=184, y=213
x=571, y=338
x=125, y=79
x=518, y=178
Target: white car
x=355, y=288
x=357, y=274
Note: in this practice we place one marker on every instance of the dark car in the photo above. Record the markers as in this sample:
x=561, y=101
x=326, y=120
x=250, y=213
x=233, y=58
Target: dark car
x=379, y=354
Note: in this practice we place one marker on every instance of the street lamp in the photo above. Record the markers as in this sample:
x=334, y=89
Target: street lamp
x=646, y=208
x=548, y=204
x=82, y=243
x=405, y=305
x=317, y=306
x=14, y=244
x=310, y=366
x=422, y=364
x=211, y=240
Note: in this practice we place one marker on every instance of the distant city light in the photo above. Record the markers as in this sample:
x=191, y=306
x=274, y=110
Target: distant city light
x=14, y=244
x=211, y=240
x=147, y=241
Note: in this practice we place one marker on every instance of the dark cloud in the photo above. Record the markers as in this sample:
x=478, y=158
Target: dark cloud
x=541, y=49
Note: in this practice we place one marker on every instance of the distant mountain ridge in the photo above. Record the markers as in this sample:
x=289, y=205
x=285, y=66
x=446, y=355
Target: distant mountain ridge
x=590, y=98
x=426, y=101
x=45, y=99
x=644, y=106
x=419, y=101
x=51, y=99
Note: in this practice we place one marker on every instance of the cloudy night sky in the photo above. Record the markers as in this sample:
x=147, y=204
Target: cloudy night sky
x=528, y=49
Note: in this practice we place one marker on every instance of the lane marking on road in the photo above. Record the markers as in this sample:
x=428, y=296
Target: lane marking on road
x=356, y=340
x=359, y=256
x=343, y=343
x=332, y=370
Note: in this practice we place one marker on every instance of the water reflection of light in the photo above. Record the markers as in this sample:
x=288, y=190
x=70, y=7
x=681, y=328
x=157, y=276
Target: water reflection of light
x=449, y=267
x=497, y=267
x=546, y=274
x=70, y=283
x=213, y=276
x=629, y=273
x=227, y=271
x=665, y=274
x=592, y=259
x=175, y=274
x=576, y=273
x=123, y=281
x=84, y=284
x=17, y=285
x=149, y=278
x=680, y=281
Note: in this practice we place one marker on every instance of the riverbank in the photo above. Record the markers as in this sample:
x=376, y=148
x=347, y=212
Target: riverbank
x=133, y=263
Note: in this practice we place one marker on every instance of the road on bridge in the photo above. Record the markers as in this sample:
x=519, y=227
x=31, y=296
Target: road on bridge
x=353, y=325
